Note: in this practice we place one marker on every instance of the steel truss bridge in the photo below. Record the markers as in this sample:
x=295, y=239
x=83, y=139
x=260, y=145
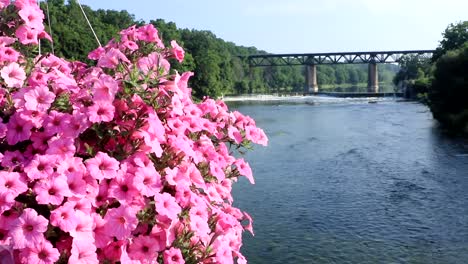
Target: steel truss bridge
x=310, y=60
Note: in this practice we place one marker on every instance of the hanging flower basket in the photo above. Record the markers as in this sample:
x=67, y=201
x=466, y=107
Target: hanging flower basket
x=113, y=163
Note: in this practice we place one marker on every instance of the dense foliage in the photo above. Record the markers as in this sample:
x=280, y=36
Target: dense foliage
x=414, y=76
x=454, y=37
x=442, y=82
x=448, y=94
x=205, y=53
x=113, y=163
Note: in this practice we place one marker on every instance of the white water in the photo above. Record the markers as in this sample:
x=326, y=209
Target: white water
x=311, y=99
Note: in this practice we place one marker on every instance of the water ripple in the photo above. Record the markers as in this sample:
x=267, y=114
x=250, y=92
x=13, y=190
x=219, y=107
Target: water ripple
x=352, y=182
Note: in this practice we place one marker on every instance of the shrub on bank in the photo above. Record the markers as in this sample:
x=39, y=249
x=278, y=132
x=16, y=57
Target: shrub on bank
x=448, y=95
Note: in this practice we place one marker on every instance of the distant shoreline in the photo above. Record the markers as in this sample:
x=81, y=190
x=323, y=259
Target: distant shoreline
x=261, y=97
x=298, y=98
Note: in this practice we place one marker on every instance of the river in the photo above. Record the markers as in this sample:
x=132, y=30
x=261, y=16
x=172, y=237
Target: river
x=346, y=181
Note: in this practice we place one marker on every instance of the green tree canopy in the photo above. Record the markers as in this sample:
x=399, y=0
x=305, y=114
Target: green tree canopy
x=448, y=95
x=218, y=65
x=454, y=36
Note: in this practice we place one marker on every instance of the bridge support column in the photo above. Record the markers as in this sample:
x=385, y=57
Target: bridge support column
x=311, y=79
x=373, y=79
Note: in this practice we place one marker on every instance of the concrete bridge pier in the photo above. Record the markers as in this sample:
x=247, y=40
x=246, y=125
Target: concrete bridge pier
x=311, y=79
x=373, y=79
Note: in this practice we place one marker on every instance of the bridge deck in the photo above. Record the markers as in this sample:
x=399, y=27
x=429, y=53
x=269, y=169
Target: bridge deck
x=333, y=58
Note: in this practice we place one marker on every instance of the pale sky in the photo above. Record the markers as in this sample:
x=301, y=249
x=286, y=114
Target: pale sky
x=307, y=26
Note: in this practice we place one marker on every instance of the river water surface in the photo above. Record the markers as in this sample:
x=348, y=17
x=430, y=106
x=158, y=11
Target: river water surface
x=345, y=181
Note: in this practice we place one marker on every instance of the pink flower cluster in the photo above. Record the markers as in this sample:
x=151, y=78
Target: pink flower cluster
x=114, y=163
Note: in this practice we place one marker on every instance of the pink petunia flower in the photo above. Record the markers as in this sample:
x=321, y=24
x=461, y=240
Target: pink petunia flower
x=97, y=53
x=64, y=217
x=63, y=147
x=6, y=41
x=121, y=221
x=149, y=33
x=249, y=226
x=7, y=200
x=8, y=54
x=113, y=251
x=28, y=229
x=40, y=141
x=112, y=58
x=38, y=78
x=152, y=63
x=173, y=256
x=166, y=205
x=18, y=129
x=101, y=237
x=12, y=182
x=84, y=228
x=200, y=227
x=105, y=88
x=32, y=16
x=256, y=135
x=154, y=135
x=40, y=253
x=79, y=204
x=223, y=252
x=131, y=45
x=217, y=171
x=244, y=169
x=71, y=165
x=39, y=98
x=101, y=111
x=83, y=252
x=52, y=191
x=102, y=166
x=144, y=249
x=40, y=167
x=122, y=189
x=199, y=207
x=78, y=123
x=177, y=51
x=13, y=75
x=100, y=193
x=36, y=118
x=56, y=122
x=24, y=3
x=27, y=35
x=235, y=134
x=76, y=184
x=124, y=258
x=12, y=158
x=147, y=181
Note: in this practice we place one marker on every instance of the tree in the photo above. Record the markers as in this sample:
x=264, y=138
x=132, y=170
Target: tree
x=341, y=75
x=454, y=36
x=323, y=78
x=325, y=74
x=353, y=76
x=448, y=95
x=73, y=38
x=412, y=67
x=204, y=52
x=167, y=31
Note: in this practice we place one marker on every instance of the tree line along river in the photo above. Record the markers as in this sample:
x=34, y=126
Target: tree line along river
x=345, y=181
